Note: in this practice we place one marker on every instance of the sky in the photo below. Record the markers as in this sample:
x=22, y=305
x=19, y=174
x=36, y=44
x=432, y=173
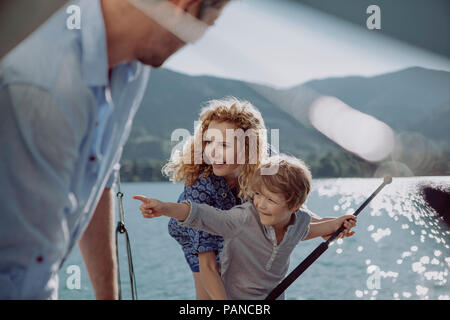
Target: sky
x=284, y=44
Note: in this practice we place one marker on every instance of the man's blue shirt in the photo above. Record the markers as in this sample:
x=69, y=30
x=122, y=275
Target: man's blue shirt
x=65, y=118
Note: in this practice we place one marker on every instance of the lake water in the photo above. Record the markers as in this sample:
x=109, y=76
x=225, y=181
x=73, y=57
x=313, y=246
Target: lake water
x=401, y=249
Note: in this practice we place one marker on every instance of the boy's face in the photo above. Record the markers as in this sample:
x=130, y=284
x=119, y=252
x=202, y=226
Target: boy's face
x=272, y=208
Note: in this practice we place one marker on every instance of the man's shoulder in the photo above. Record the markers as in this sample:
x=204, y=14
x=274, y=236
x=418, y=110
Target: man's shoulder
x=44, y=75
x=44, y=58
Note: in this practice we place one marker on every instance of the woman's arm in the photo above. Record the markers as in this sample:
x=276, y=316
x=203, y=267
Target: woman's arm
x=327, y=228
x=210, y=276
x=205, y=246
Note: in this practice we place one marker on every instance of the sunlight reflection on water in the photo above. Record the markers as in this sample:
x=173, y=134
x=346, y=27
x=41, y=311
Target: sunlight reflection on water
x=400, y=234
x=400, y=249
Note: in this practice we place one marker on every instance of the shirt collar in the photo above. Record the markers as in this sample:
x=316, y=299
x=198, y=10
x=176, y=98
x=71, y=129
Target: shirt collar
x=94, y=59
x=270, y=231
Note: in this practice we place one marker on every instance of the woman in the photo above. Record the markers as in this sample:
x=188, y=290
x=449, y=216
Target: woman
x=216, y=166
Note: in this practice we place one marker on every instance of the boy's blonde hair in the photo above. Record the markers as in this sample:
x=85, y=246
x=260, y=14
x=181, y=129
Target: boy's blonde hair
x=184, y=165
x=293, y=179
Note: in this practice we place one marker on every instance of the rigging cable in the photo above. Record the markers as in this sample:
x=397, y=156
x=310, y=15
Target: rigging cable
x=122, y=230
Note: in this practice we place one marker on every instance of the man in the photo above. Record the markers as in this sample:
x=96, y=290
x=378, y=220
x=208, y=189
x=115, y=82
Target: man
x=67, y=100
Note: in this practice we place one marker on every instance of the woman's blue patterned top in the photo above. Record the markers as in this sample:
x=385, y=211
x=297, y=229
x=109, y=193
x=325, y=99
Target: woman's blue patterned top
x=214, y=191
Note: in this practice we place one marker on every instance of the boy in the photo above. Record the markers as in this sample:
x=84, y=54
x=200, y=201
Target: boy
x=259, y=235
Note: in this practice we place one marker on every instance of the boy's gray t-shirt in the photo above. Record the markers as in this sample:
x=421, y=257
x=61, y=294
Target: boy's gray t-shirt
x=252, y=263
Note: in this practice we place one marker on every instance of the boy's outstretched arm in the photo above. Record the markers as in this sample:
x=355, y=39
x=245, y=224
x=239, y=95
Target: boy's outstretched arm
x=225, y=223
x=326, y=228
x=152, y=208
x=209, y=275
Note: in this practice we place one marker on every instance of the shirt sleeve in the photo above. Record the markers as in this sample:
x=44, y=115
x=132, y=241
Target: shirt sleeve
x=225, y=223
x=303, y=222
x=311, y=214
x=113, y=176
x=39, y=150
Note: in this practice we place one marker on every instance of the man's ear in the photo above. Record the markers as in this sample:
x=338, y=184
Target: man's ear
x=189, y=6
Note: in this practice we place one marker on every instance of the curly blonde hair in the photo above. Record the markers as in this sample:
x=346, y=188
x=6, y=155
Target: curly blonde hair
x=188, y=164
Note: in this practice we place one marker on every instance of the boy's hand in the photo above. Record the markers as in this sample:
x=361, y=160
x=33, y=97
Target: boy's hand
x=150, y=208
x=349, y=222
